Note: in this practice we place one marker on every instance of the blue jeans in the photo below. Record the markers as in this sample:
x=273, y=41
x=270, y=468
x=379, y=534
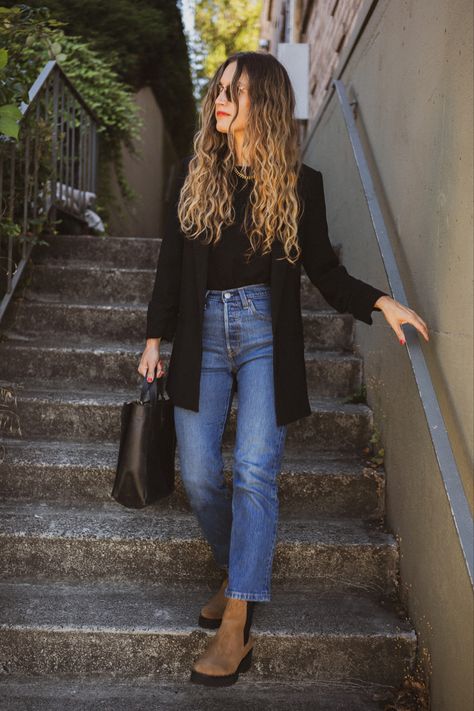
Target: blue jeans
x=239, y=525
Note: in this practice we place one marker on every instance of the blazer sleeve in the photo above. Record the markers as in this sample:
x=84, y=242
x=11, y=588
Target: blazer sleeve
x=163, y=306
x=341, y=290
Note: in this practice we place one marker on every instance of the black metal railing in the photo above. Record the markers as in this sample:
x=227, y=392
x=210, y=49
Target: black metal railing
x=450, y=475
x=52, y=165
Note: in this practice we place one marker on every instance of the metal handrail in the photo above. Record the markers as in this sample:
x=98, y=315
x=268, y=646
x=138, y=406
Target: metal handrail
x=72, y=177
x=452, y=481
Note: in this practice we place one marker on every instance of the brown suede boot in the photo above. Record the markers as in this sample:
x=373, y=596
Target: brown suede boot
x=230, y=650
x=211, y=613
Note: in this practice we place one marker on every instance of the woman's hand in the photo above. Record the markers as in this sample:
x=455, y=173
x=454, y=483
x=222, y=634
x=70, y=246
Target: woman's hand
x=150, y=360
x=396, y=314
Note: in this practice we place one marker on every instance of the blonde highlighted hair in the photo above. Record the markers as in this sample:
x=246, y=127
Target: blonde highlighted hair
x=271, y=138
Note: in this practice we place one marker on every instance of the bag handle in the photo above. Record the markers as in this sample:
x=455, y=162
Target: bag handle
x=151, y=392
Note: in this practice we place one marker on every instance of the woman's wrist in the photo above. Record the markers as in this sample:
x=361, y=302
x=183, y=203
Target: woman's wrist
x=381, y=301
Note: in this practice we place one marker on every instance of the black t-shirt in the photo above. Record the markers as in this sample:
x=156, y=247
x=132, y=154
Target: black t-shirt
x=227, y=268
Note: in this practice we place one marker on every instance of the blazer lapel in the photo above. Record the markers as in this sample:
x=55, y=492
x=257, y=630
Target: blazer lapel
x=279, y=268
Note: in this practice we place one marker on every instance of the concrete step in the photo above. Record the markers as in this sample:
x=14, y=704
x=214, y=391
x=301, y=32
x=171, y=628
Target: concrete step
x=55, y=692
x=78, y=282
x=81, y=282
x=49, y=412
x=126, y=323
x=105, y=250
x=303, y=634
x=42, y=540
x=85, y=361
x=326, y=485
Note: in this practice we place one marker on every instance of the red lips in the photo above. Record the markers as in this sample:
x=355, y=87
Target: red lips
x=222, y=113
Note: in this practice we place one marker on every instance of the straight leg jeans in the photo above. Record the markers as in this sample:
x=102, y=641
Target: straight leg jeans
x=239, y=525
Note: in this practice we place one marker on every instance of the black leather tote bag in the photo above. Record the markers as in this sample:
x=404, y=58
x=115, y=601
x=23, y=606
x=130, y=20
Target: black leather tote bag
x=145, y=468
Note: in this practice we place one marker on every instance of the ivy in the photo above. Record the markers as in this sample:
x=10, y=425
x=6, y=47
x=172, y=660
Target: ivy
x=29, y=38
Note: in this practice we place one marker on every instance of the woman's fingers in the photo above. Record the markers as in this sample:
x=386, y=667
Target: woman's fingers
x=160, y=369
x=154, y=367
x=421, y=326
x=415, y=321
x=151, y=364
x=398, y=314
x=150, y=374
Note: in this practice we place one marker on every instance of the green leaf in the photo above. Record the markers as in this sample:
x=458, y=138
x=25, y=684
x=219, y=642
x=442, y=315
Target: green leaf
x=8, y=127
x=3, y=58
x=10, y=111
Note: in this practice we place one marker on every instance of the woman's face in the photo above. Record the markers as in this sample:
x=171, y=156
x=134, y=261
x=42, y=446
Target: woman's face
x=225, y=110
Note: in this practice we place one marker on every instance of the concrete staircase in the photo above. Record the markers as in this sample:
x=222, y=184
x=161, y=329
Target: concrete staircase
x=98, y=603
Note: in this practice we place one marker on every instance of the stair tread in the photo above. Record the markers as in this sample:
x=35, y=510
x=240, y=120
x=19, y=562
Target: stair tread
x=110, y=520
x=104, y=454
x=47, y=299
x=295, y=609
x=78, y=693
x=42, y=299
x=71, y=393
x=102, y=238
x=54, y=341
x=73, y=264
x=72, y=342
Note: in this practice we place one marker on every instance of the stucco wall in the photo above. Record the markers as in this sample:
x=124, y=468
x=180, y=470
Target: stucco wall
x=146, y=174
x=411, y=73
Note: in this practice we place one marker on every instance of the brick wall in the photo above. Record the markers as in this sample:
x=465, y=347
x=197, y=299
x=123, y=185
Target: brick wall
x=326, y=25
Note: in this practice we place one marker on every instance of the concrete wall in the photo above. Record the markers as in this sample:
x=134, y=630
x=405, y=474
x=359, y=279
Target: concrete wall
x=411, y=73
x=146, y=174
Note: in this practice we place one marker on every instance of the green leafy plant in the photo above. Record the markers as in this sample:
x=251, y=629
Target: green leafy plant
x=374, y=452
x=20, y=28
x=359, y=395
x=9, y=113
x=30, y=38
x=145, y=44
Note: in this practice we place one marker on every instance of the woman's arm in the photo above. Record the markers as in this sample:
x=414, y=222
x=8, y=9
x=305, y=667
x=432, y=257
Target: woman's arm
x=163, y=306
x=342, y=291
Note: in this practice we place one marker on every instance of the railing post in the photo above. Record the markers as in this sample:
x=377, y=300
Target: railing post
x=72, y=165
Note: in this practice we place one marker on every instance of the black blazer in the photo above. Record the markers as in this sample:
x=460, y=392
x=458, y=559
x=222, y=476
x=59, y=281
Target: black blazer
x=175, y=311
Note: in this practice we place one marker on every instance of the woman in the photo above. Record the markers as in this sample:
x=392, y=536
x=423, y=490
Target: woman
x=245, y=215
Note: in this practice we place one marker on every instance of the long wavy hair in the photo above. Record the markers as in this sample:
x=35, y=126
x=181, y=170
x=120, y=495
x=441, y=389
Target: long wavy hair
x=271, y=139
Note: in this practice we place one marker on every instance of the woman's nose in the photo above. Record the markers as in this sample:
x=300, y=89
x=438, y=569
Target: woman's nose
x=220, y=94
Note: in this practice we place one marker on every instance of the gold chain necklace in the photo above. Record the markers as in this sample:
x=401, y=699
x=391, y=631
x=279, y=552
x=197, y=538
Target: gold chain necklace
x=242, y=175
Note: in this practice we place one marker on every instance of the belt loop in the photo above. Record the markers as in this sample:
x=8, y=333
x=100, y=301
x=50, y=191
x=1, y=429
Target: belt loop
x=243, y=296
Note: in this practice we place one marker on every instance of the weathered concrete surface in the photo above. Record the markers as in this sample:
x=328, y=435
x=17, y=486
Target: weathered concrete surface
x=48, y=411
x=115, y=693
x=89, y=542
x=327, y=484
x=83, y=361
x=99, y=603
x=303, y=633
